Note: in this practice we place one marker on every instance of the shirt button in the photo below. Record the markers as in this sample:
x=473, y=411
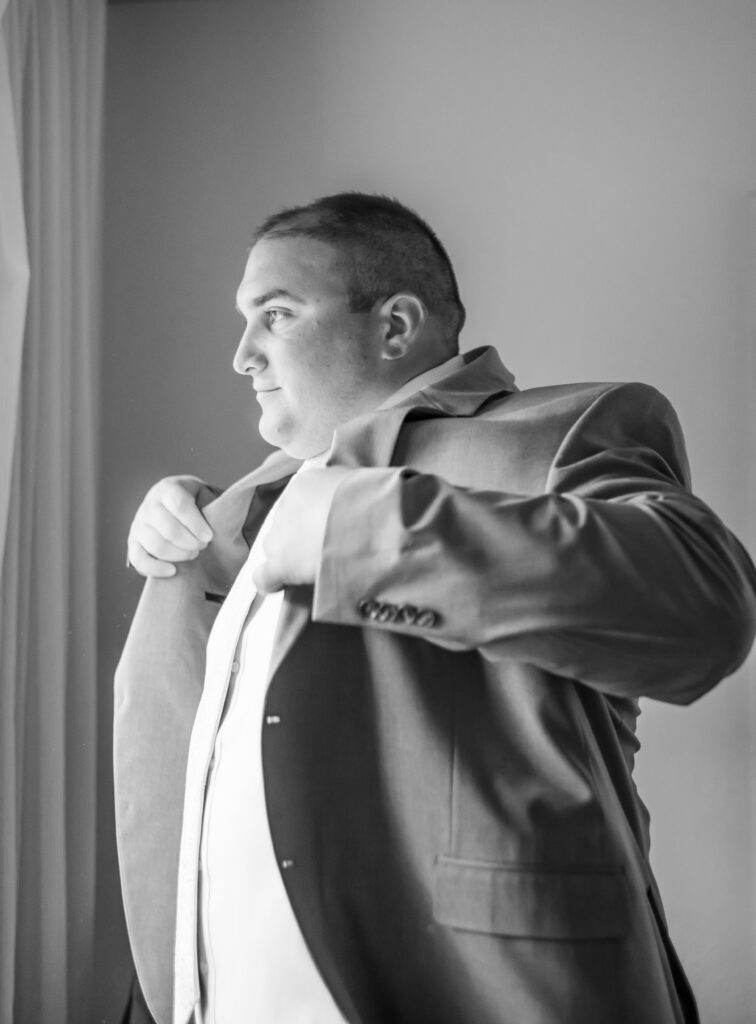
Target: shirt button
x=234, y=666
x=203, y=967
x=272, y=720
x=287, y=864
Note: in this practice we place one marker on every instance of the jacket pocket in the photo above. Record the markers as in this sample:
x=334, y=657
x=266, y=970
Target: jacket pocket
x=542, y=902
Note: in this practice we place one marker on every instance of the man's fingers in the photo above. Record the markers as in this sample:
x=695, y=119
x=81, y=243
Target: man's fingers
x=164, y=522
x=168, y=527
x=145, y=564
x=183, y=507
x=157, y=546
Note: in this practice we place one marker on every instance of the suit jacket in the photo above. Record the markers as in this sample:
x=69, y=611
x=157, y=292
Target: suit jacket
x=450, y=718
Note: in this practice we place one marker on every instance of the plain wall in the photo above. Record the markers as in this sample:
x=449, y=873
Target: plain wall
x=588, y=166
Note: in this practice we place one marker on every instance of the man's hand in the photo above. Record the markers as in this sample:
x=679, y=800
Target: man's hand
x=290, y=544
x=168, y=527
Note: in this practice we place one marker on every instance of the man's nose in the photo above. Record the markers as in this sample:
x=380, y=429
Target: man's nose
x=249, y=359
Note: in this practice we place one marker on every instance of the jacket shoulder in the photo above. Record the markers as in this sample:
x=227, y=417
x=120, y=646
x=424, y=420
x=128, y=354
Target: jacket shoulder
x=571, y=401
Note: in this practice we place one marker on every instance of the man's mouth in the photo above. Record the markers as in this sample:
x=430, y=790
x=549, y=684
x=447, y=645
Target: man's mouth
x=265, y=391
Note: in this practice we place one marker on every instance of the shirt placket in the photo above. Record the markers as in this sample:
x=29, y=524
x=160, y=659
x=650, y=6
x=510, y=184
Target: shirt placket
x=224, y=636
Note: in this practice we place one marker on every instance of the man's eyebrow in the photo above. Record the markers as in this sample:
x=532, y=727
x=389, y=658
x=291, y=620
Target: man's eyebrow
x=276, y=293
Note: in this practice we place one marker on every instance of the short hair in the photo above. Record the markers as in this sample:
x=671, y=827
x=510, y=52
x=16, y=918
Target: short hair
x=383, y=247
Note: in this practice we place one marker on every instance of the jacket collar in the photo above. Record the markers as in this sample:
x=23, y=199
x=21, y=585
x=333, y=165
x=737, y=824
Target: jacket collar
x=462, y=392
x=369, y=440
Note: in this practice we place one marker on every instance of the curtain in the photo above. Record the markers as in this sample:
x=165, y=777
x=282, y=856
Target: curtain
x=51, y=56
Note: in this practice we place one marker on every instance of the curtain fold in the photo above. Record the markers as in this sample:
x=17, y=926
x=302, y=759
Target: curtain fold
x=14, y=278
x=55, y=54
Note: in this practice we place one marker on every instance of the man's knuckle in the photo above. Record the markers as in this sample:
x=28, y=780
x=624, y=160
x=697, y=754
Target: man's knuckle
x=172, y=531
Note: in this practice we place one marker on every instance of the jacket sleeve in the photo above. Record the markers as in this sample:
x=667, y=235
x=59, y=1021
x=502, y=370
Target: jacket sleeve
x=616, y=575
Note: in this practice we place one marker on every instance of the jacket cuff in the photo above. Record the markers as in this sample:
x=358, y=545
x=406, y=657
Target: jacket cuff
x=358, y=583
x=355, y=546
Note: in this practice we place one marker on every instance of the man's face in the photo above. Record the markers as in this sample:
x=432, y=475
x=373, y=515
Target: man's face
x=313, y=362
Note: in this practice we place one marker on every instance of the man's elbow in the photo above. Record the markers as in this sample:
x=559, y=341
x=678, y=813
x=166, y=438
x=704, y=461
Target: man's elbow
x=724, y=640
x=736, y=631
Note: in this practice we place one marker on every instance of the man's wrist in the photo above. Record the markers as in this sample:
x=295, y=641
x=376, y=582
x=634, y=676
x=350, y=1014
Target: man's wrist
x=322, y=487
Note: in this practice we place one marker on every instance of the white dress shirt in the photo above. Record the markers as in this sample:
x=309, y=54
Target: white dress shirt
x=240, y=955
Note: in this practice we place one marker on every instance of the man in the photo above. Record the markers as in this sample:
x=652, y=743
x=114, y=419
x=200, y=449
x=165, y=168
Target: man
x=408, y=796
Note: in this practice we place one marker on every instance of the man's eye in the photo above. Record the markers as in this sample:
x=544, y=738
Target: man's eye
x=275, y=314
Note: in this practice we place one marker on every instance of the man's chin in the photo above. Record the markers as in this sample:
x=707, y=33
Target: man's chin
x=293, y=442
x=282, y=439
x=301, y=451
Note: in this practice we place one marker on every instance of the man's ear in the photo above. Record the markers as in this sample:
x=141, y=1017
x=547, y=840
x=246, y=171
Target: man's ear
x=403, y=317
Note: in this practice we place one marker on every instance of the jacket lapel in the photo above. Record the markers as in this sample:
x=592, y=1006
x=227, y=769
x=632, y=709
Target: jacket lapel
x=157, y=689
x=229, y=516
